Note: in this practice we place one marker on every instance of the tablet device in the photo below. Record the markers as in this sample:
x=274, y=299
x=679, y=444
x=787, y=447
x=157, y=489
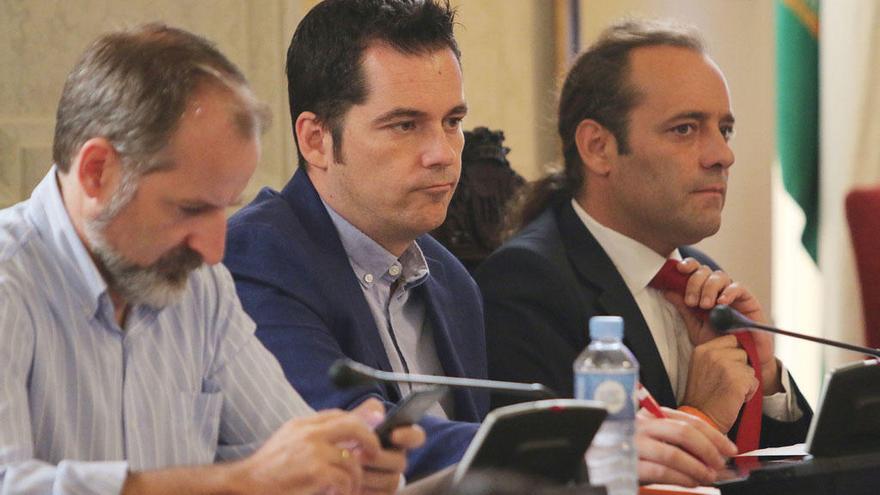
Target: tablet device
x=546, y=438
x=843, y=443
x=847, y=420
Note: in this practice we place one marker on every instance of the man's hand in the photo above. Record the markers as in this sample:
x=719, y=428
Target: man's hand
x=679, y=449
x=383, y=470
x=720, y=380
x=329, y=453
x=318, y=454
x=706, y=289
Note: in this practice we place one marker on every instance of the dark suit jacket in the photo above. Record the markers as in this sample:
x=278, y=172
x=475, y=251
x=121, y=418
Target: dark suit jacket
x=294, y=279
x=540, y=290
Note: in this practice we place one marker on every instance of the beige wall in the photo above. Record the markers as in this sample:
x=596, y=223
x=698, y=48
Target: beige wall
x=507, y=62
x=41, y=40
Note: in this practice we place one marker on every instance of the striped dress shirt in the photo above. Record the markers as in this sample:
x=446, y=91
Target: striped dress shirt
x=83, y=401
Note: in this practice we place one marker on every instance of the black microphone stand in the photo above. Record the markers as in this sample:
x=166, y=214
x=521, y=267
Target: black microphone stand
x=348, y=373
x=724, y=318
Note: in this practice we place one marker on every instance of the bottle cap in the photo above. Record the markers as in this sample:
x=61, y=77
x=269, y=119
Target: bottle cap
x=606, y=327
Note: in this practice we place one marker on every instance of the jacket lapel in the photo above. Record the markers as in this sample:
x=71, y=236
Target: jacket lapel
x=598, y=273
x=331, y=255
x=436, y=298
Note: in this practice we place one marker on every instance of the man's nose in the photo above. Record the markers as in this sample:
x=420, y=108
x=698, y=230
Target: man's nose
x=209, y=238
x=717, y=151
x=443, y=148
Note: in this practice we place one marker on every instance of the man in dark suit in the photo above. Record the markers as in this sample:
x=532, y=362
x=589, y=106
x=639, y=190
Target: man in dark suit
x=645, y=119
x=338, y=264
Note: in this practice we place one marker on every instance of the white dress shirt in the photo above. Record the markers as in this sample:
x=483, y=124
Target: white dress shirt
x=637, y=265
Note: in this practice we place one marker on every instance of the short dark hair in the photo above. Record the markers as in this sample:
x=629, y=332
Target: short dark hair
x=324, y=60
x=597, y=87
x=131, y=87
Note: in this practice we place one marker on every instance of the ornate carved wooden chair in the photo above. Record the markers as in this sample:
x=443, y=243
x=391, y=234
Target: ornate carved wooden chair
x=472, y=229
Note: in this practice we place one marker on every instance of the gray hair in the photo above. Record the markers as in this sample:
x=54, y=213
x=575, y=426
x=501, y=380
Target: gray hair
x=131, y=87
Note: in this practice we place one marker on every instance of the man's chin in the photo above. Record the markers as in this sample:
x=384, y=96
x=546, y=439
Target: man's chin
x=701, y=231
x=157, y=296
x=153, y=288
x=158, y=285
x=424, y=227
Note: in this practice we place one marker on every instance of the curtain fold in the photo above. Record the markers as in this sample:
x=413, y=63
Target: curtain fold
x=850, y=154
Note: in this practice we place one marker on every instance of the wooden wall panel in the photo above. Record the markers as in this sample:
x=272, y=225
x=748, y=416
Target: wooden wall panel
x=42, y=39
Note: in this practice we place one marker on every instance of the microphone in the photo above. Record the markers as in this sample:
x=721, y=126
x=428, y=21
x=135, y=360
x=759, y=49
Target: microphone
x=726, y=319
x=346, y=373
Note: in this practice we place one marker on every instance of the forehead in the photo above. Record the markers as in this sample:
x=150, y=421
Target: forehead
x=211, y=157
x=411, y=80
x=675, y=79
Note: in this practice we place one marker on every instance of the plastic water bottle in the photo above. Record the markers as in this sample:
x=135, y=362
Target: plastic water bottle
x=608, y=372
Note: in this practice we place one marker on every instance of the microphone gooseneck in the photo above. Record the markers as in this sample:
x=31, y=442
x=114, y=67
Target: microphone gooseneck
x=726, y=320
x=347, y=373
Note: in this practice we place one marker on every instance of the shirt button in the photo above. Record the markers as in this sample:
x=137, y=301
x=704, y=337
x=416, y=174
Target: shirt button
x=368, y=278
x=394, y=270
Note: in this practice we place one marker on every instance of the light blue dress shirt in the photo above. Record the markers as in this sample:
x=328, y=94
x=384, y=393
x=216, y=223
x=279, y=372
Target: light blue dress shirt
x=388, y=284
x=83, y=401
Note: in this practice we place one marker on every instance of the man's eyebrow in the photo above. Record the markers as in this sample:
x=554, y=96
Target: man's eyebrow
x=700, y=116
x=202, y=203
x=689, y=115
x=399, y=113
x=459, y=110
x=412, y=113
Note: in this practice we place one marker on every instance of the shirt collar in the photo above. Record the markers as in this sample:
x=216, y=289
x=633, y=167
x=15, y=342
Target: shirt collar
x=52, y=222
x=372, y=262
x=636, y=262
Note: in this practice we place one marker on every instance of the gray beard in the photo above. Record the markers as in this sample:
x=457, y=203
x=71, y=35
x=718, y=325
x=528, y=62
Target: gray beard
x=157, y=285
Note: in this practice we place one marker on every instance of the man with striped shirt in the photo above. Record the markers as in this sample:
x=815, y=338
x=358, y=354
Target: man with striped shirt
x=124, y=352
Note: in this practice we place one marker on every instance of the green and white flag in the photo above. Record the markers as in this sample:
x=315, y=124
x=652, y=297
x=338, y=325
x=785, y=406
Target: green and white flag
x=797, y=61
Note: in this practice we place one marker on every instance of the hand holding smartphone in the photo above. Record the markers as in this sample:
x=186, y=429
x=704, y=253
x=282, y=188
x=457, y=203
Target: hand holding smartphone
x=407, y=412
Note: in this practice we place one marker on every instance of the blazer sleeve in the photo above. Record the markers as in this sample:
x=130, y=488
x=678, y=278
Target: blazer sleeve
x=776, y=433
x=534, y=330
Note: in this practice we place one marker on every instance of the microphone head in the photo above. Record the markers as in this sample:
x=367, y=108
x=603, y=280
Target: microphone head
x=345, y=373
x=724, y=318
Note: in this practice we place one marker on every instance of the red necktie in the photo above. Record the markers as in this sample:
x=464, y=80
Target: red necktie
x=749, y=433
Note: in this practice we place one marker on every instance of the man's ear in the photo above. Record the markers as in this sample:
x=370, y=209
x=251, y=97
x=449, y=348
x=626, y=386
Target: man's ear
x=98, y=168
x=596, y=146
x=315, y=141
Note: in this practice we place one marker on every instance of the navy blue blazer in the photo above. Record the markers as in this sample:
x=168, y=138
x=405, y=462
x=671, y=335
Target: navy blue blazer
x=540, y=290
x=294, y=279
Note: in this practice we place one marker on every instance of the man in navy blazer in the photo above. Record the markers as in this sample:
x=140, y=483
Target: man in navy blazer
x=338, y=264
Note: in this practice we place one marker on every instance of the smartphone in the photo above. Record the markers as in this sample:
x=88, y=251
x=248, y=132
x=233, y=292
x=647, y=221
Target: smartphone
x=407, y=412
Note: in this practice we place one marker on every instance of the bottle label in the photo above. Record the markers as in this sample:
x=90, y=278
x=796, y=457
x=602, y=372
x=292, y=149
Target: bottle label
x=616, y=392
